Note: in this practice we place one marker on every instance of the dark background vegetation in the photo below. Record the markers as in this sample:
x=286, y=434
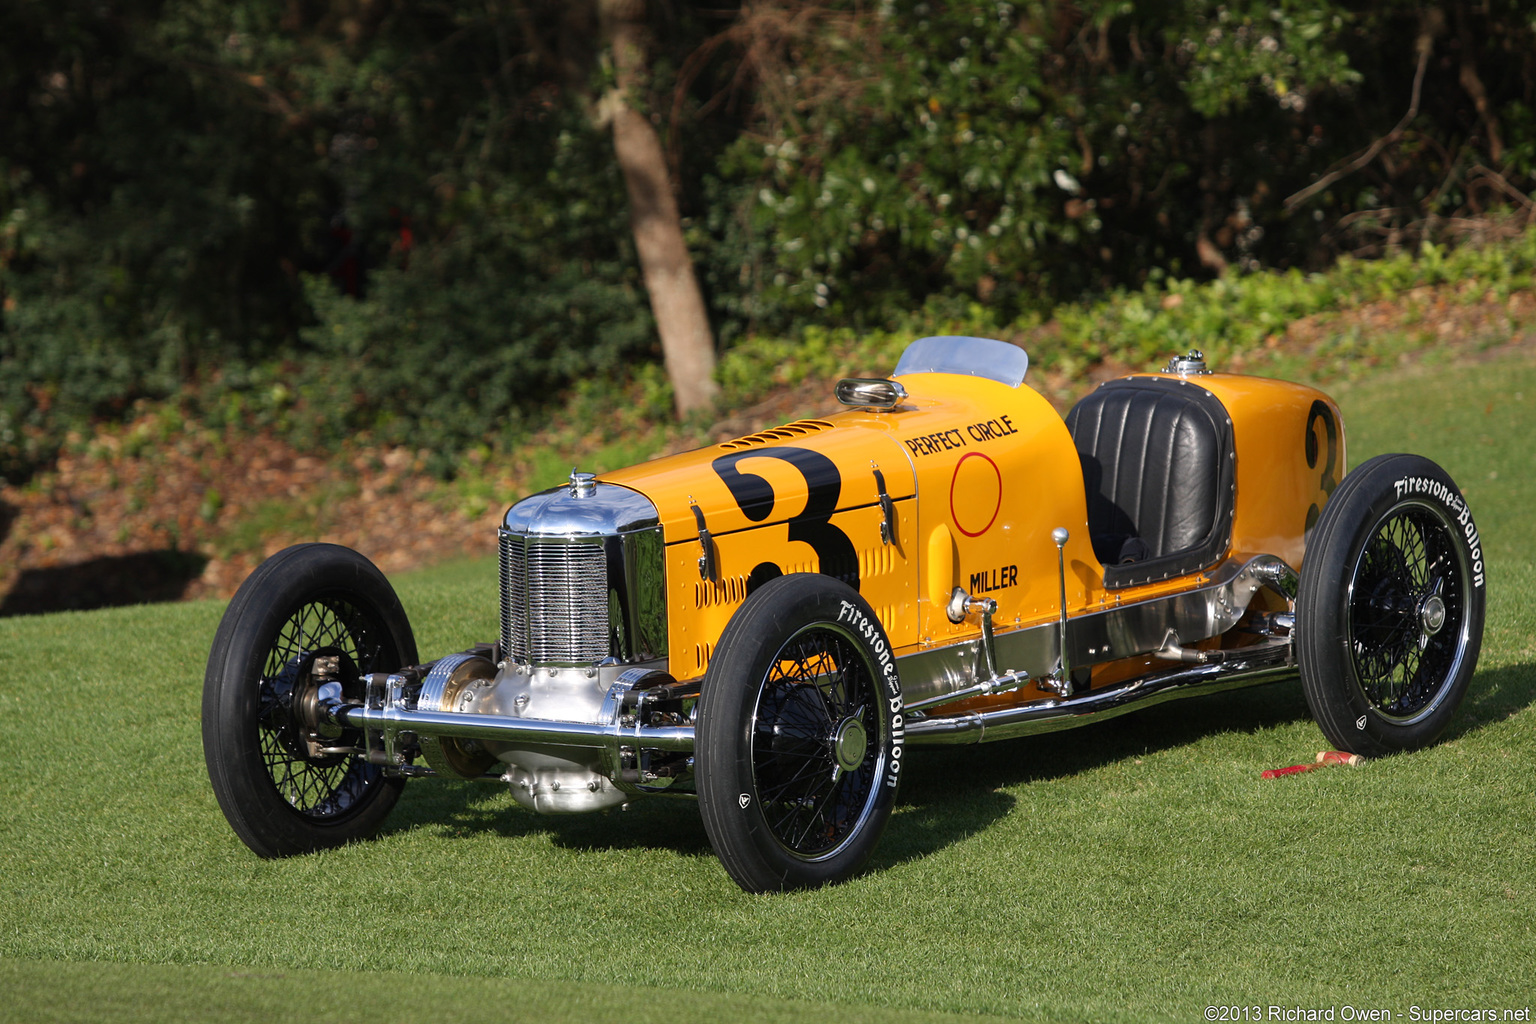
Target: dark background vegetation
x=402, y=218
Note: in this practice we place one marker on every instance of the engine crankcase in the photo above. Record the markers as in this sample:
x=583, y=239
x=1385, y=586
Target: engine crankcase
x=546, y=778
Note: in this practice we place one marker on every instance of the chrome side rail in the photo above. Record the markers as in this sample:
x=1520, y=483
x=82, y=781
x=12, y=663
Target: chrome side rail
x=1246, y=667
x=1266, y=663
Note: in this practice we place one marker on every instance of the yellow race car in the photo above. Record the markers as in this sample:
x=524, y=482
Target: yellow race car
x=766, y=624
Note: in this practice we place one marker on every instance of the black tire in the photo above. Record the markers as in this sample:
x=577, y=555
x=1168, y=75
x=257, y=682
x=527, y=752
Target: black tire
x=1389, y=613
x=280, y=796
x=799, y=736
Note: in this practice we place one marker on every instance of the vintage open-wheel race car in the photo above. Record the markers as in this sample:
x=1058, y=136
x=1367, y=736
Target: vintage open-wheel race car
x=766, y=623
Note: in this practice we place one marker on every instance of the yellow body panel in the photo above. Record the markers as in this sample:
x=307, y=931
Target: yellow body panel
x=978, y=474
x=699, y=609
x=996, y=473
x=778, y=471
x=1290, y=457
x=804, y=497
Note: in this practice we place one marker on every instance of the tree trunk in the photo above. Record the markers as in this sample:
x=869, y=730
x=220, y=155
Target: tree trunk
x=678, y=305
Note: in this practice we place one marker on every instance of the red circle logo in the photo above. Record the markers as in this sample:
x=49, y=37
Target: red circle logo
x=980, y=484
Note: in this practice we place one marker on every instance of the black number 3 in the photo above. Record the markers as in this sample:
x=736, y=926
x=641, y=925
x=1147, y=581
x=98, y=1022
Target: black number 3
x=754, y=496
x=1321, y=411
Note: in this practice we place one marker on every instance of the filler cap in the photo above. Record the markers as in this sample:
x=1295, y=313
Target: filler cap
x=1190, y=365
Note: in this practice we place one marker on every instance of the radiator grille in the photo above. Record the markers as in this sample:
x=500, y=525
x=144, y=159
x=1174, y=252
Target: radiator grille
x=554, y=601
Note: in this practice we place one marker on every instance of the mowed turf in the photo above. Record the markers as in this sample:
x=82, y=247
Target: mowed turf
x=1135, y=870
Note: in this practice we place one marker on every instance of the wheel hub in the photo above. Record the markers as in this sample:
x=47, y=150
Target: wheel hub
x=1432, y=614
x=305, y=731
x=850, y=743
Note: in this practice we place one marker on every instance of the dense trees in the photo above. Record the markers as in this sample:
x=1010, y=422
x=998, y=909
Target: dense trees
x=1018, y=151
x=410, y=215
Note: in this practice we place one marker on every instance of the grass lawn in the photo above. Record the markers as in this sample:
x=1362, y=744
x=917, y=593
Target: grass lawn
x=1135, y=870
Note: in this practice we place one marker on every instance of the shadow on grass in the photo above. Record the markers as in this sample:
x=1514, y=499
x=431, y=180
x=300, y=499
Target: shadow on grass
x=1063, y=754
x=948, y=793
x=1495, y=694
x=666, y=823
x=140, y=578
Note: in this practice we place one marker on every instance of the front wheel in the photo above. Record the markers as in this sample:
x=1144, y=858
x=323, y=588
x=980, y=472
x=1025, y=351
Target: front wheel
x=287, y=782
x=1389, y=613
x=799, y=736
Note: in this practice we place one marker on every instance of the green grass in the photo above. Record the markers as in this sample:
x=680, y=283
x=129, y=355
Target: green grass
x=1135, y=870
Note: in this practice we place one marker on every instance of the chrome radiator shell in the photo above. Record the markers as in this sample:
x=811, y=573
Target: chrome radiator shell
x=582, y=578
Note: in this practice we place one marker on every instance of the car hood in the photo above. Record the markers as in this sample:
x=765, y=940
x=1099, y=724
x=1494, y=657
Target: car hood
x=808, y=468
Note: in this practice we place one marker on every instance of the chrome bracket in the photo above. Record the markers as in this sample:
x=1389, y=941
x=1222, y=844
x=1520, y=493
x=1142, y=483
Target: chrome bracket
x=1059, y=682
x=611, y=718
x=887, y=509
x=962, y=606
x=709, y=568
x=1173, y=650
x=385, y=693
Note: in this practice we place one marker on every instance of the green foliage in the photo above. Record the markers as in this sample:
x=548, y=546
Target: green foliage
x=1235, y=314
x=149, y=216
x=462, y=197
x=1021, y=154
x=470, y=342
x=173, y=170
x=1284, y=49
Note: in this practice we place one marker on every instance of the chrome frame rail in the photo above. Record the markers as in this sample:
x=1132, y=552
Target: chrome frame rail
x=1265, y=663
x=393, y=721
x=1253, y=666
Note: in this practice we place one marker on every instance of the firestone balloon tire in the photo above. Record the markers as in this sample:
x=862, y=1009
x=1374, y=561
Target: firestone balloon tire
x=305, y=602
x=1390, y=607
x=799, y=736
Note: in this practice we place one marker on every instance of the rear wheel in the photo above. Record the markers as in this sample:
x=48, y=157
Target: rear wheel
x=286, y=782
x=1389, y=614
x=799, y=736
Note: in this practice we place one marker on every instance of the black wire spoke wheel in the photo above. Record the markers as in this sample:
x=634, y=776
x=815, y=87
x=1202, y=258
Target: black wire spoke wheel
x=810, y=742
x=1406, y=612
x=1389, y=613
x=287, y=781
x=799, y=738
x=318, y=785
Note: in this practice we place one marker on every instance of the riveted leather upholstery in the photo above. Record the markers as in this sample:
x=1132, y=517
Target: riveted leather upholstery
x=1158, y=468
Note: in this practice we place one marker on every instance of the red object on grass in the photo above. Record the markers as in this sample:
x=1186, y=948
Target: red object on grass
x=1295, y=769
x=1324, y=757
